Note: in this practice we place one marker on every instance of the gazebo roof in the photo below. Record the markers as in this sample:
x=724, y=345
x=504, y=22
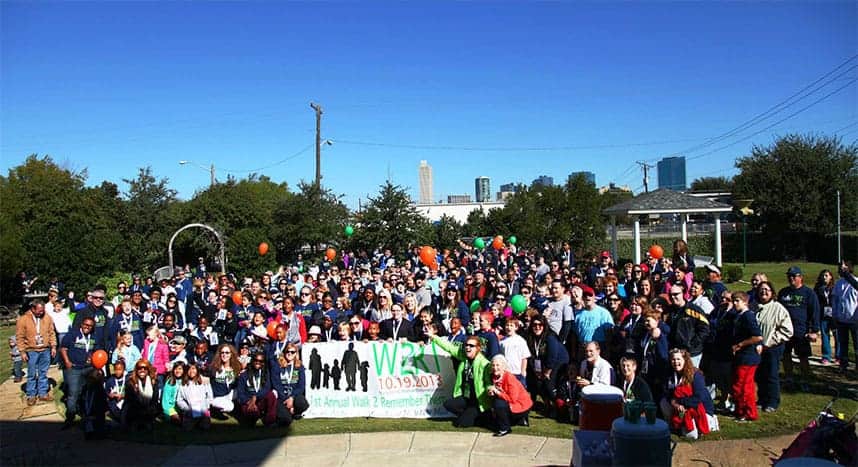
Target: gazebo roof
x=664, y=201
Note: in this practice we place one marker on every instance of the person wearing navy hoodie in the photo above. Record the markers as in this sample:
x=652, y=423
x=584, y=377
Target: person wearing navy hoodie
x=803, y=307
x=746, y=337
x=256, y=399
x=95, y=309
x=289, y=380
x=76, y=352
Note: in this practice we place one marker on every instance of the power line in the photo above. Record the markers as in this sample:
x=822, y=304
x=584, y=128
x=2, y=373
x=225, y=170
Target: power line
x=777, y=122
x=777, y=108
x=507, y=148
x=281, y=161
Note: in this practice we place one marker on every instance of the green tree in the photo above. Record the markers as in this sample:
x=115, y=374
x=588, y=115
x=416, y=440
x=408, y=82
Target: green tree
x=53, y=225
x=243, y=212
x=712, y=184
x=793, y=184
x=446, y=233
x=390, y=220
x=147, y=221
x=313, y=217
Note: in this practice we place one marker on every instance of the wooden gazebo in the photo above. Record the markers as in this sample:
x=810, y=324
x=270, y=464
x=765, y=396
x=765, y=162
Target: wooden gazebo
x=664, y=201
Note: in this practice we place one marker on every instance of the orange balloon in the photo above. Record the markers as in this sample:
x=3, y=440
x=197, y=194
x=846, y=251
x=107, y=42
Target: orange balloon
x=99, y=359
x=263, y=248
x=497, y=242
x=272, y=329
x=236, y=297
x=330, y=253
x=429, y=257
x=656, y=251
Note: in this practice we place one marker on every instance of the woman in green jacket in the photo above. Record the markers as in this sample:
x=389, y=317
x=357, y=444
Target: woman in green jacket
x=471, y=399
x=171, y=390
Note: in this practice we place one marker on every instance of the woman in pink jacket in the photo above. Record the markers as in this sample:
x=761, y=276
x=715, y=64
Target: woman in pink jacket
x=155, y=351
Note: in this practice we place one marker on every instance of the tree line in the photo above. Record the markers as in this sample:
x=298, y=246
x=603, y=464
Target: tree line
x=53, y=224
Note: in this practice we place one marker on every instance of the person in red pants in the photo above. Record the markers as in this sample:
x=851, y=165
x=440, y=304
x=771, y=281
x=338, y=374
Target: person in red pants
x=255, y=396
x=747, y=337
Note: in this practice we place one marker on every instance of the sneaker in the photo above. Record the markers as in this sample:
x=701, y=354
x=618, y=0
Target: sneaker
x=524, y=422
x=47, y=398
x=17, y=380
x=825, y=362
x=770, y=410
x=31, y=401
x=502, y=433
x=742, y=420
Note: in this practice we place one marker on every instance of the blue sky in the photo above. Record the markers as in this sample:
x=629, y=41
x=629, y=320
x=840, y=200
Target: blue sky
x=114, y=86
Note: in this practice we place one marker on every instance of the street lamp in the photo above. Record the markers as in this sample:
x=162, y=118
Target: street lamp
x=210, y=170
x=744, y=206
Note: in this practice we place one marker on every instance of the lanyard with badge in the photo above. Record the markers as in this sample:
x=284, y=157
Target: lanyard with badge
x=40, y=341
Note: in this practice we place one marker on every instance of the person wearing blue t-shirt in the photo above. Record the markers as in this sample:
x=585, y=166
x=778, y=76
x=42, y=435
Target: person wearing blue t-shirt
x=746, y=337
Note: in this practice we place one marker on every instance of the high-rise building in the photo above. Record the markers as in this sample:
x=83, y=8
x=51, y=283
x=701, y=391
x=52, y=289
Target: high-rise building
x=458, y=199
x=509, y=188
x=424, y=172
x=589, y=176
x=543, y=180
x=671, y=173
x=483, y=189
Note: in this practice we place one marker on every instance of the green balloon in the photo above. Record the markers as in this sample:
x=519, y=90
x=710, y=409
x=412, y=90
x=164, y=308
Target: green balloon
x=475, y=306
x=519, y=304
x=479, y=243
x=349, y=230
x=512, y=239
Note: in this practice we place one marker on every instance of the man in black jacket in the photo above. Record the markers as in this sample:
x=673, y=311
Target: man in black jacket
x=398, y=327
x=689, y=327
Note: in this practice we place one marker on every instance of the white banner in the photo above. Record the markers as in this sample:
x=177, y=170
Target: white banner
x=377, y=379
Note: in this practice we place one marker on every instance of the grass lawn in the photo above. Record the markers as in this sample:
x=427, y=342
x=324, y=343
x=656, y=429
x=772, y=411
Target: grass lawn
x=776, y=273
x=5, y=359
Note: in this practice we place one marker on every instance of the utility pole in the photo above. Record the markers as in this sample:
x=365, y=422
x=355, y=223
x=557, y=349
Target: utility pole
x=318, y=109
x=839, y=255
x=645, y=168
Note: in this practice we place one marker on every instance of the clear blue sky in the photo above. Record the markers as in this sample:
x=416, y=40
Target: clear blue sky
x=114, y=86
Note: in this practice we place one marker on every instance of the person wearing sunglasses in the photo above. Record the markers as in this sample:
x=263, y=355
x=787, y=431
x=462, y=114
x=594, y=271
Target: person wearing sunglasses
x=689, y=326
x=289, y=380
x=471, y=401
x=256, y=398
x=549, y=360
x=95, y=309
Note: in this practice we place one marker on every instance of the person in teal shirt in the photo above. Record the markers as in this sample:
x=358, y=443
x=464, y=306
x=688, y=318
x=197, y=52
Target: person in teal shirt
x=171, y=390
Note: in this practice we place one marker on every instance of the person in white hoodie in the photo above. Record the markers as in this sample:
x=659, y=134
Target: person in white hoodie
x=844, y=307
x=194, y=400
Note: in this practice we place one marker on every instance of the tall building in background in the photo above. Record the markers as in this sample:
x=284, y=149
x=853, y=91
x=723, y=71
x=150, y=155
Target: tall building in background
x=458, y=199
x=424, y=172
x=671, y=173
x=483, y=189
x=509, y=188
x=543, y=180
x=589, y=176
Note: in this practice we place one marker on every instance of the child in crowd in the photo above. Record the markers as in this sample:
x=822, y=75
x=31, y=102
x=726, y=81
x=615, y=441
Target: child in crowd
x=17, y=360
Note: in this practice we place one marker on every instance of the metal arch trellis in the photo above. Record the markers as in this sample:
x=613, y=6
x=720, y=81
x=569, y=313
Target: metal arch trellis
x=219, y=239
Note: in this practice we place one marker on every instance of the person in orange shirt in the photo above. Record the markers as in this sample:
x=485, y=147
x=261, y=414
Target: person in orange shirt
x=511, y=403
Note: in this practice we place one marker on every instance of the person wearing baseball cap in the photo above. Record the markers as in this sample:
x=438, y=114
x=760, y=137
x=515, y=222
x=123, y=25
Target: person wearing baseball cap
x=803, y=307
x=593, y=321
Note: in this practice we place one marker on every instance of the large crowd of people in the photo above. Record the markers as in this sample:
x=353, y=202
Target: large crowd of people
x=196, y=346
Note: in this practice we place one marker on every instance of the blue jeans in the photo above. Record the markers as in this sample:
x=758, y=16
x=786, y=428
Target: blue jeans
x=18, y=369
x=57, y=359
x=74, y=381
x=37, y=372
x=768, y=377
x=844, y=331
x=826, y=328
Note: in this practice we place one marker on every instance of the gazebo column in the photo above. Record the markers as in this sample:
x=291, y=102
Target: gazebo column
x=614, y=237
x=718, y=240
x=685, y=228
x=638, y=241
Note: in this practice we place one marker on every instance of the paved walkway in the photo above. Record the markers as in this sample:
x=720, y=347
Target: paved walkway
x=32, y=436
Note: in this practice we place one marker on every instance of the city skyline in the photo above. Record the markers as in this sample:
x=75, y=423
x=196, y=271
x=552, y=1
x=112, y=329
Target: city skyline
x=511, y=91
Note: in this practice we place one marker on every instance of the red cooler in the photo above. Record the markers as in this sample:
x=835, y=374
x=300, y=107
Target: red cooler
x=600, y=406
